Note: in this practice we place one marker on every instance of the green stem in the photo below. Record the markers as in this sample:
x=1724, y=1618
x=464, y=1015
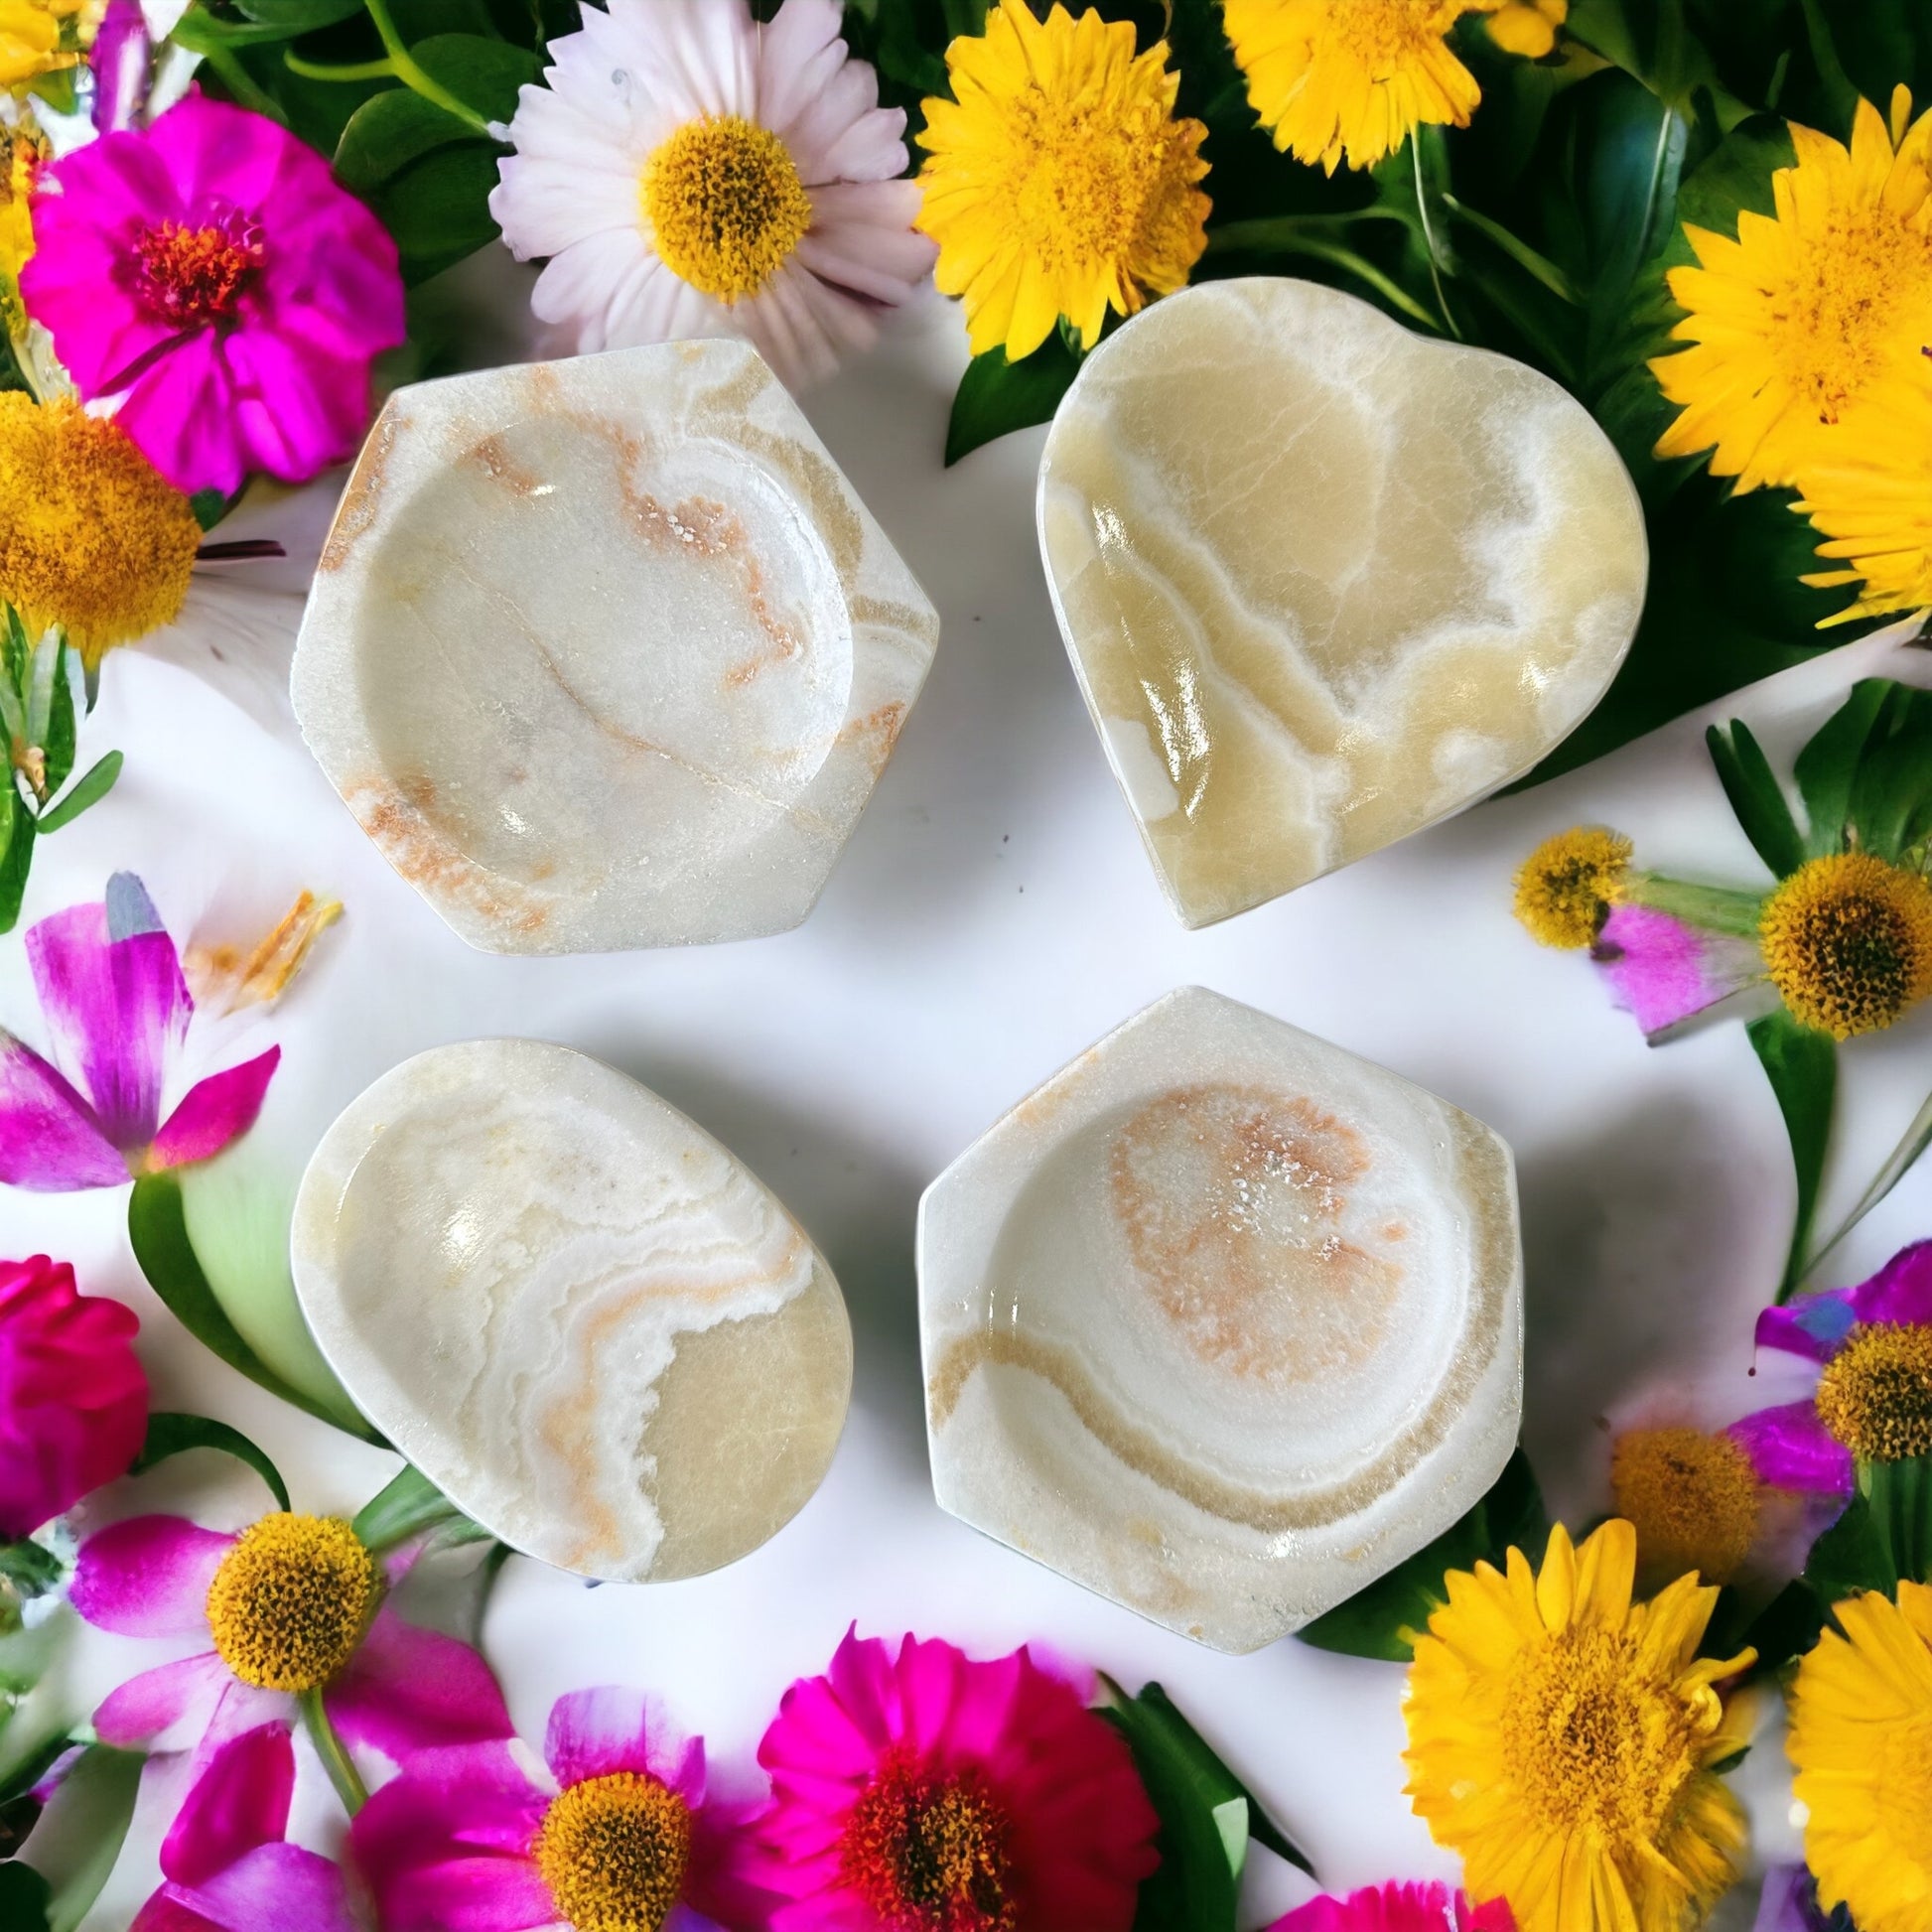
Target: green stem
x=336, y=1760
x=1712, y=908
x=1429, y=247
x=240, y=84
x=384, y=69
x=403, y=65
x=1280, y=241
x=1281, y=230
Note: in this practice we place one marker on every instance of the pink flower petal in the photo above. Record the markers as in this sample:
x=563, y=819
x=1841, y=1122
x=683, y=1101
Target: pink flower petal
x=1398, y=1909
x=1901, y=1291
x=179, y=1696
x=1663, y=971
x=408, y=1690
x=149, y=1577
x=275, y=1889
x=591, y=1732
x=215, y=1112
x=111, y=988
x=181, y=412
x=1790, y=1448
x=164, y=1912
x=240, y=1801
x=49, y=1141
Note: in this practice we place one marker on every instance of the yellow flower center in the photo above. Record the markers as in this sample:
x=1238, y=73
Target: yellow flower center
x=724, y=205
x=1569, y=882
x=1848, y=941
x=289, y=1603
x=929, y=1854
x=90, y=536
x=1875, y=1393
x=614, y=1852
x=1694, y=1499
x=1594, y=1740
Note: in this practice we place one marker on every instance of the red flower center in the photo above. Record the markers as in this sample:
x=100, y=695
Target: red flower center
x=196, y=276
x=929, y=1854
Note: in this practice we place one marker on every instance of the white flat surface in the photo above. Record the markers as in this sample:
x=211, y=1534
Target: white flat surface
x=993, y=915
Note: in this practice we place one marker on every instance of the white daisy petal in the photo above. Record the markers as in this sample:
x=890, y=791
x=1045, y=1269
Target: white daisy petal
x=862, y=239
x=799, y=50
x=581, y=287
x=845, y=102
x=545, y=206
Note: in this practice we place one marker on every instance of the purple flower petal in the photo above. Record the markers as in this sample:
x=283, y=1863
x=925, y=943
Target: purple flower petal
x=446, y=1845
x=1790, y=1448
x=1814, y=1325
x=49, y=1141
x=120, y=63
x=184, y=1694
x=218, y=1110
x=164, y=1912
x=119, y=1006
x=149, y=1577
x=1789, y=1903
x=1663, y=971
x=1901, y=1291
x=275, y=1889
x=408, y=1690
x=240, y=1801
x=591, y=1732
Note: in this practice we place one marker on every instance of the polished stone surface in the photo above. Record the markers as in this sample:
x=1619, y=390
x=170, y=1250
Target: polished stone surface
x=1324, y=581
x=607, y=652
x=588, y=1323
x=1222, y=1321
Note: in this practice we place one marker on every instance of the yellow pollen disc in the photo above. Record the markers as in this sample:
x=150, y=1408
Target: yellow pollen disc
x=1596, y=1744
x=1875, y=1393
x=724, y=205
x=614, y=1852
x=1568, y=884
x=90, y=536
x=1848, y=941
x=1694, y=1499
x=289, y=1603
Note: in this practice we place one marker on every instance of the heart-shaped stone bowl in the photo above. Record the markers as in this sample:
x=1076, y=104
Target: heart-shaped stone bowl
x=584, y=1320
x=1324, y=581
x=607, y=652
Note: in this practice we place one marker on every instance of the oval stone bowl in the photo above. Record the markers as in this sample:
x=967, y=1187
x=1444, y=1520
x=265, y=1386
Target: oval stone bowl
x=607, y=653
x=1222, y=1321
x=584, y=1320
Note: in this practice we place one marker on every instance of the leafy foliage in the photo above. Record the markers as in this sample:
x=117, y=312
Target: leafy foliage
x=1385, y=1619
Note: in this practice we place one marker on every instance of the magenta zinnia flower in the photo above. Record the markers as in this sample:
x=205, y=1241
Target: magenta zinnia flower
x=284, y=1608
x=226, y=1864
x=925, y=1792
x=208, y=273
x=1398, y=1909
x=73, y=1402
x=621, y=1833
x=113, y=996
x=1871, y=1347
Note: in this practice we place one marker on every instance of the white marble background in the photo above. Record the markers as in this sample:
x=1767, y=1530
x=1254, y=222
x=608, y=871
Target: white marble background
x=992, y=917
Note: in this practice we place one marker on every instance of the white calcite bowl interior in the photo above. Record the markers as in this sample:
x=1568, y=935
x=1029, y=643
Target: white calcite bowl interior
x=584, y=1320
x=1324, y=581
x=607, y=652
x=1222, y=1321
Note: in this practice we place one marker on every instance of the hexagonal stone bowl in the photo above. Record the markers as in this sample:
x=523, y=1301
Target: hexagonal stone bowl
x=1222, y=1321
x=607, y=652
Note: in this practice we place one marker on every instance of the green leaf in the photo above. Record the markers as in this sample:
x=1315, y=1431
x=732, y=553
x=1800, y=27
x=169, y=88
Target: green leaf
x=1756, y=797
x=1830, y=761
x=24, y=1897
x=158, y=1230
x=293, y=17
x=1802, y=1067
x=15, y=860
x=483, y=74
x=172, y=1434
x=79, y=1833
x=389, y=131
x=31, y=1567
x=995, y=397
x=1384, y=1619
x=1208, y=1815
x=1787, y=1628
x=437, y=208
x=91, y=790
x=1900, y=1498
x=1854, y=1555
x=409, y=1506
x=1891, y=788
x=1898, y=1164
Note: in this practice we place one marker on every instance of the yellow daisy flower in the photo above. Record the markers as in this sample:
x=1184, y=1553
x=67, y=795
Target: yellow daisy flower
x=1861, y=1739
x=1848, y=942
x=1528, y=27
x=1870, y=497
x=31, y=41
x=1561, y=1738
x=1059, y=182
x=1353, y=79
x=90, y=536
x=1804, y=312
x=1567, y=884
